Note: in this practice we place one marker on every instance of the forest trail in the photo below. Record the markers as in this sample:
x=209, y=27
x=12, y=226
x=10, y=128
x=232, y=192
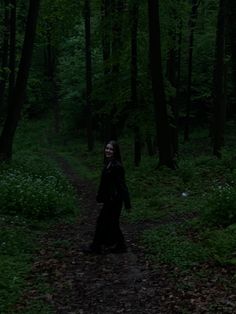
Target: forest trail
x=88, y=284
x=110, y=283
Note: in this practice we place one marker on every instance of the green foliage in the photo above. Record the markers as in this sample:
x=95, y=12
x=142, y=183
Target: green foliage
x=222, y=244
x=30, y=195
x=12, y=272
x=221, y=206
x=16, y=246
x=35, y=190
x=186, y=170
x=170, y=247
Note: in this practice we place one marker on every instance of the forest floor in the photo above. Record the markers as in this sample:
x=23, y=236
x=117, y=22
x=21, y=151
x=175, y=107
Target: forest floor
x=118, y=283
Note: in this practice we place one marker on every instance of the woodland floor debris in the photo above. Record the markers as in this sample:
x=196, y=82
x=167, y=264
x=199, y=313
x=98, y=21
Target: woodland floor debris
x=119, y=283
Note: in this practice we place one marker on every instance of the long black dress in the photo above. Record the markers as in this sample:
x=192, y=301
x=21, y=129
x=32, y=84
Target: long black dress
x=112, y=192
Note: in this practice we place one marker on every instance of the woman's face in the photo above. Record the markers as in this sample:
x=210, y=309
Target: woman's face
x=109, y=151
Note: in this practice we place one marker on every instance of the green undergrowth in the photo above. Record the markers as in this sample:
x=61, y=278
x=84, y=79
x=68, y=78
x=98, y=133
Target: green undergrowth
x=19, y=241
x=35, y=195
x=185, y=246
x=172, y=198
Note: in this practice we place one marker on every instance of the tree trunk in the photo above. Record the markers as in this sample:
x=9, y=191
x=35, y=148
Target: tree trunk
x=12, y=54
x=231, y=29
x=4, y=64
x=134, y=80
x=172, y=78
x=192, y=24
x=88, y=61
x=17, y=100
x=50, y=63
x=150, y=145
x=178, y=77
x=160, y=108
x=106, y=51
x=218, y=83
x=117, y=10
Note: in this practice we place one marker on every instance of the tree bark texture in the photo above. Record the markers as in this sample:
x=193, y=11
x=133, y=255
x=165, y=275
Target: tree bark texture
x=50, y=63
x=88, y=62
x=12, y=53
x=5, y=46
x=218, y=83
x=192, y=24
x=106, y=36
x=160, y=108
x=17, y=100
x=231, y=29
x=134, y=79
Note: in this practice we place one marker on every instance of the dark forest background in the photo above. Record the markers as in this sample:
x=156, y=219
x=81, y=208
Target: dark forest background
x=159, y=77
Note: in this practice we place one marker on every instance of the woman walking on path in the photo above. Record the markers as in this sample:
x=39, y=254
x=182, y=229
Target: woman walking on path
x=112, y=192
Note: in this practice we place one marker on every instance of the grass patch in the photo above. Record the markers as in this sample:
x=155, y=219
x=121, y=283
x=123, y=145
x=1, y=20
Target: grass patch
x=167, y=245
x=32, y=188
x=17, y=244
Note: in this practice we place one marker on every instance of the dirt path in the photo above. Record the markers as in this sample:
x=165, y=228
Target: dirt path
x=112, y=283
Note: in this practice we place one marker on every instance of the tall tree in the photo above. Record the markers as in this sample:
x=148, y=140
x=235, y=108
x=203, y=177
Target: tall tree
x=192, y=24
x=50, y=65
x=218, y=82
x=5, y=46
x=106, y=47
x=172, y=72
x=231, y=27
x=12, y=52
x=160, y=108
x=88, y=58
x=134, y=80
x=117, y=11
x=17, y=100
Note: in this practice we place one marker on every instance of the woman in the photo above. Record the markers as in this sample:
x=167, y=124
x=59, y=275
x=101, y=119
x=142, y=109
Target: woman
x=112, y=192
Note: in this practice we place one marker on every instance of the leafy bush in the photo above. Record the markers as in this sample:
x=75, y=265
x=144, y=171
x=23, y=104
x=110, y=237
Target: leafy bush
x=222, y=244
x=221, y=206
x=168, y=246
x=33, y=195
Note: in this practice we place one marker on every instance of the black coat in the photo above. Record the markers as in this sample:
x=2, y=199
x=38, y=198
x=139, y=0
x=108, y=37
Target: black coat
x=112, y=185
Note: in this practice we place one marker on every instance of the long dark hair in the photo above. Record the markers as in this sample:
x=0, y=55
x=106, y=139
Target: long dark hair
x=116, y=147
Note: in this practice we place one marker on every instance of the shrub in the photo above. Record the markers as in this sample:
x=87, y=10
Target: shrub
x=222, y=244
x=33, y=195
x=168, y=246
x=221, y=206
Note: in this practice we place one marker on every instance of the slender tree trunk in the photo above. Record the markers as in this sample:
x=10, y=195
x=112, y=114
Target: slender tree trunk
x=106, y=51
x=218, y=83
x=117, y=10
x=50, y=63
x=14, y=110
x=171, y=75
x=5, y=46
x=88, y=62
x=160, y=108
x=231, y=29
x=178, y=76
x=150, y=146
x=134, y=80
x=192, y=24
x=12, y=54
